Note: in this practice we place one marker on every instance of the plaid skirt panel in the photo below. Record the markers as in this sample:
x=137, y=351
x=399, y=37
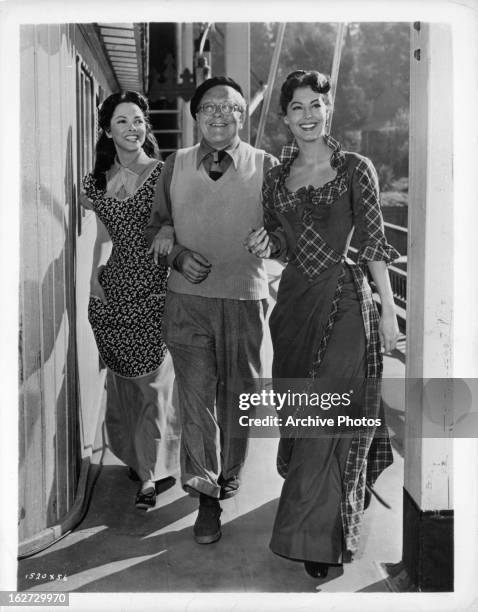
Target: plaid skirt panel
x=369, y=453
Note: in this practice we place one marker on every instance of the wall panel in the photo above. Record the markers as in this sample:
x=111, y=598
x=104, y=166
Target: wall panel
x=67, y=96
x=61, y=382
x=31, y=486
x=48, y=215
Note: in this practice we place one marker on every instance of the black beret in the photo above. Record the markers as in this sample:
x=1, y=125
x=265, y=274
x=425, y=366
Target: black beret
x=209, y=84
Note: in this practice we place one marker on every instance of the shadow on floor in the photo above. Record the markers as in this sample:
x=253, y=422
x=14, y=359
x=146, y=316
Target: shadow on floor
x=120, y=549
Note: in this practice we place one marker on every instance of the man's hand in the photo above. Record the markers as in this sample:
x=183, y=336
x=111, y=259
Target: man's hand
x=193, y=266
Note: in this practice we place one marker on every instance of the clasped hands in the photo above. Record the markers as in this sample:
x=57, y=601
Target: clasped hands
x=195, y=267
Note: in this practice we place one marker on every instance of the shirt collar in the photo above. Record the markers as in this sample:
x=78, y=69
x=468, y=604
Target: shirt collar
x=137, y=166
x=291, y=150
x=232, y=150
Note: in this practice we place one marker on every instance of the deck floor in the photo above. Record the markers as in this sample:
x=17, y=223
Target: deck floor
x=118, y=549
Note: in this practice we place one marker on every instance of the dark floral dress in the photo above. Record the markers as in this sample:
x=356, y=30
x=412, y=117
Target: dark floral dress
x=128, y=328
x=141, y=416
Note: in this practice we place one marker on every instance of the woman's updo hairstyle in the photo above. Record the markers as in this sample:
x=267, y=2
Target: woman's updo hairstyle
x=105, y=148
x=304, y=78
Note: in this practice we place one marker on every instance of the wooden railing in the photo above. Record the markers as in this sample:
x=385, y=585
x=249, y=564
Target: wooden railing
x=397, y=236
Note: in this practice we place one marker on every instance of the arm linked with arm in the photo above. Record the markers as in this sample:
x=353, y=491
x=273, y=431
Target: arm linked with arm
x=161, y=214
x=268, y=241
x=272, y=224
x=193, y=266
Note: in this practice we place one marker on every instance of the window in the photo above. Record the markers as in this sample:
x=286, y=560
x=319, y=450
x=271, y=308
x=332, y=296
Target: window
x=86, y=126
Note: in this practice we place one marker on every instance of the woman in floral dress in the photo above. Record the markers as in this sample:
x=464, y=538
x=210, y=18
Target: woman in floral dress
x=325, y=326
x=127, y=297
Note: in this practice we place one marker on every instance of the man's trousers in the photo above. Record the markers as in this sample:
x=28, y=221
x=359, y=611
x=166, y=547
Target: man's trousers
x=216, y=347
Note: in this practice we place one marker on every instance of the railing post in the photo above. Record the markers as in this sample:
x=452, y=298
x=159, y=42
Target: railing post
x=237, y=49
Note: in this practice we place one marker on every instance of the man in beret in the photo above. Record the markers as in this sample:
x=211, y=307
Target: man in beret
x=213, y=322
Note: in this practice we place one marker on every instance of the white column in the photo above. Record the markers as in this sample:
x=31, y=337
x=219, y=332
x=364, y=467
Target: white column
x=431, y=253
x=238, y=61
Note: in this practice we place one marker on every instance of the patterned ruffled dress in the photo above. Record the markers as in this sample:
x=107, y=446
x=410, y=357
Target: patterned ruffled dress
x=324, y=328
x=141, y=416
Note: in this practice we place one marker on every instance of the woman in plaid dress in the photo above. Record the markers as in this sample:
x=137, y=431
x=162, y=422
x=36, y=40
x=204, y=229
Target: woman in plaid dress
x=325, y=327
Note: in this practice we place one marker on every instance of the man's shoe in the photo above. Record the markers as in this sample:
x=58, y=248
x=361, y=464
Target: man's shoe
x=207, y=528
x=229, y=487
x=164, y=484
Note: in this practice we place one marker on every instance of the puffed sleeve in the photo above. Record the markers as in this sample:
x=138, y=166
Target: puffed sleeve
x=369, y=230
x=271, y=221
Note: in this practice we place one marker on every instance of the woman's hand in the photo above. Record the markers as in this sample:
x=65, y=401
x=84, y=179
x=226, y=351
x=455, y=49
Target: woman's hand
x=96, y=290
x=162, y=244
x=258, y=243
x=388, y=331
x=85, y=200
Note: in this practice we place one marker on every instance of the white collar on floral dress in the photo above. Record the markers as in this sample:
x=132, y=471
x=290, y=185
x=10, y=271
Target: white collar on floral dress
x=123, y=181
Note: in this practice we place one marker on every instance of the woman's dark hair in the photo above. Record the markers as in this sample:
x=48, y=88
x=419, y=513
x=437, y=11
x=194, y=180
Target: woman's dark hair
x=304, y=78
x=105, y=148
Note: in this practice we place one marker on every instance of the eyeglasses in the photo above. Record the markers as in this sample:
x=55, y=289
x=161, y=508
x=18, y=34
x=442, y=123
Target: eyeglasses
x=226, y=108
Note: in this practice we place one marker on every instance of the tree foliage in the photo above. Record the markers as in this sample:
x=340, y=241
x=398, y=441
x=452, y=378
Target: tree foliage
x=372, y=89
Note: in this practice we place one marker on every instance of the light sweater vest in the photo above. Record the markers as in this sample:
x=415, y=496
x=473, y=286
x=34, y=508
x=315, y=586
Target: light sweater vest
x=213, y=218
